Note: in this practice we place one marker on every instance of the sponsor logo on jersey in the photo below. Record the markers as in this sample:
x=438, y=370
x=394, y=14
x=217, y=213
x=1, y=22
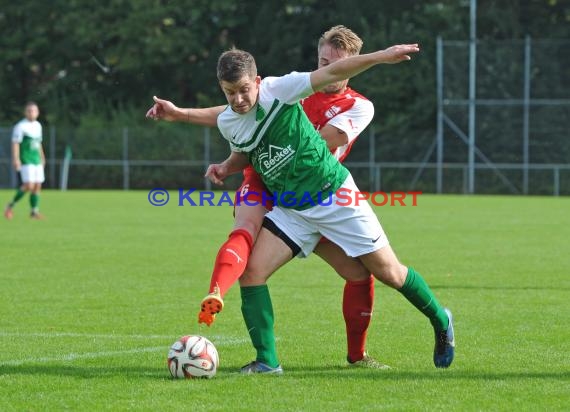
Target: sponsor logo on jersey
x=275, y=157
x=332, y=112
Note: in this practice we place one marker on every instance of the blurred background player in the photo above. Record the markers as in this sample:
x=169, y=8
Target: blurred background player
x=28, y=160
x=339, y=114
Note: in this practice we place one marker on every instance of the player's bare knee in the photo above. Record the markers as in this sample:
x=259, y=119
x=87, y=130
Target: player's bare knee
x=353, y=272
x=252, y=226
x=393, y=276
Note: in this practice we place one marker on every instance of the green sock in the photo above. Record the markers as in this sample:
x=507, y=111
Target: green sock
x=417, y=291
x=19, y=194
x=257, y=312
x=34, y=202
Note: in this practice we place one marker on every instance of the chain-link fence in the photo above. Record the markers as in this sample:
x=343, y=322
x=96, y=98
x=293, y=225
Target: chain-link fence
x=125, y=158
x=143, y=158
x=504, y=112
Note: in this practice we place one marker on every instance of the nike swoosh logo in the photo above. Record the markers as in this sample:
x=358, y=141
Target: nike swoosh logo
x=233, y=252
x=375, y=240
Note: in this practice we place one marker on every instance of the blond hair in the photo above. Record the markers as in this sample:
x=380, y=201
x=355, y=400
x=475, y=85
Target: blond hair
x=342, y=38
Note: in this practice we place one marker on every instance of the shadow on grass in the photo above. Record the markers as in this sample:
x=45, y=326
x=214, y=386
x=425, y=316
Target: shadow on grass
x=103, y=372
x=302, y=372
x=342, y=372
x=499, y=287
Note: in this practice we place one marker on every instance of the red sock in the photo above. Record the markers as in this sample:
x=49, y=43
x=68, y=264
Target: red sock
x=231, y=260
x=358, y=300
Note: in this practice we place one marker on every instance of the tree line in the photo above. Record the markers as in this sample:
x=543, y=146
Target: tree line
x=90, y=64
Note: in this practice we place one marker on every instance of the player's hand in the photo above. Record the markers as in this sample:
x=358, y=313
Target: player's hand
x=399, y=53
x=216, y=173
x=17, y=165
x=162, y=110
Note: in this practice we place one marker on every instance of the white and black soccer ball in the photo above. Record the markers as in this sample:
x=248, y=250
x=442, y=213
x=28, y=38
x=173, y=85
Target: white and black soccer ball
x=193, y=357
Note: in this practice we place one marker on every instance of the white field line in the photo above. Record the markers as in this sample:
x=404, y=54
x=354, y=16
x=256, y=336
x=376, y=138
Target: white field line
x=80, y=335
x=74, y=356
x=222, y=341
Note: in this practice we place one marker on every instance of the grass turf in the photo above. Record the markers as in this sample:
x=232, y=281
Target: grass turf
x=92, y=297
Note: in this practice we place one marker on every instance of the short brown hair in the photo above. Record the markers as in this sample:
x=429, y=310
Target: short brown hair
x=235, y=64
x=342, y=38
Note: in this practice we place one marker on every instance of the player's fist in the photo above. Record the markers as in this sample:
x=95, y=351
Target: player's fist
x=216, y=173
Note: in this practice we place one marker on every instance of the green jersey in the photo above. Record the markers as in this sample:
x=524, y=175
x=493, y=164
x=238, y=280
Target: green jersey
x=282, y=144
x=28, y=134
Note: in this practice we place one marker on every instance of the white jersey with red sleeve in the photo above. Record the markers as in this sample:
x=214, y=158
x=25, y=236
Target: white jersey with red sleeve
x=348, y=111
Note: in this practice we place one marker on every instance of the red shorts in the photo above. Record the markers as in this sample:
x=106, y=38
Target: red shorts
x=252, y=191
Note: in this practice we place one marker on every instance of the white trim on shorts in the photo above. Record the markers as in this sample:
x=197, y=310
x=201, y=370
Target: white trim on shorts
x=32, y=174
x=356, y=229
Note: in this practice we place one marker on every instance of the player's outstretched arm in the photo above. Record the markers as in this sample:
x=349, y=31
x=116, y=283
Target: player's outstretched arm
x=235, y=163
x=351, y=66
x=166, y=110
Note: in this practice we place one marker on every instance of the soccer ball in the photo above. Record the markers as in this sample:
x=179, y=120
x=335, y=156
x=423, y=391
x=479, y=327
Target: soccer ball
x=193, y=357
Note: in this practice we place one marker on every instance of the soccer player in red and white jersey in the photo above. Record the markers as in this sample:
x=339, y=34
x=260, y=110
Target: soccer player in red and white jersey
x=339, y=114
x=346, y=110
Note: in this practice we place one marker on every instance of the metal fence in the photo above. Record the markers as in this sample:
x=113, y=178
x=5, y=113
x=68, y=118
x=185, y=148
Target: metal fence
x=492, y=89
x=131, y=169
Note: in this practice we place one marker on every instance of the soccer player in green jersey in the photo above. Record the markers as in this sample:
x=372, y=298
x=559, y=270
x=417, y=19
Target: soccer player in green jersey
x=314, y=195
x=28, y=160
x=339, y=114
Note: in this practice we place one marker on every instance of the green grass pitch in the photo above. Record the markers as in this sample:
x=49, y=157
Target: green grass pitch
x=92, y=297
